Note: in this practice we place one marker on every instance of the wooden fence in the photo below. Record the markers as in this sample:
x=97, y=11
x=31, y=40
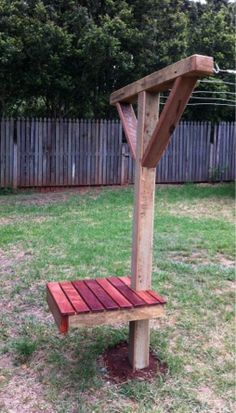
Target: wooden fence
x=46, y=152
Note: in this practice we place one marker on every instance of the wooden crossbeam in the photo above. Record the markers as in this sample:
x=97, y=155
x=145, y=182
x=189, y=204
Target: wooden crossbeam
x=170, y=116
x=161, y=80
x=129, y=122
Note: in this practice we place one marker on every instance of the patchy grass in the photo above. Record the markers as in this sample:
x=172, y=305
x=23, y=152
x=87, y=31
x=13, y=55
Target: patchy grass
x=76, y=234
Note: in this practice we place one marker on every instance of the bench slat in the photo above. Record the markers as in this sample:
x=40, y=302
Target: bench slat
x=60, y=298
x=103, y=297
x=126, y=291
x=160, y=299
x=148, y=298
x=76, y=300
x=114, y=293
x=90, y=299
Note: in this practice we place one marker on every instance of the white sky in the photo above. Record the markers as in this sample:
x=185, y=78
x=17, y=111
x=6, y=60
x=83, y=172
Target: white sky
x=204, y=1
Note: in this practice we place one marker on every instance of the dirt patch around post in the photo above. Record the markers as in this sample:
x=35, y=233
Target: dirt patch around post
x=118, y=370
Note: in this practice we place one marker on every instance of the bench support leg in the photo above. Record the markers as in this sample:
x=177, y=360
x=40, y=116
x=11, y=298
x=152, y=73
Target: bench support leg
x=148, y=109
x=139, y=340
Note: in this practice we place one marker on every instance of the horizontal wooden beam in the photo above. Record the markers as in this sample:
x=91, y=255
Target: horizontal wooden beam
x=161, y=80
x=118, y=316
x=170, y=116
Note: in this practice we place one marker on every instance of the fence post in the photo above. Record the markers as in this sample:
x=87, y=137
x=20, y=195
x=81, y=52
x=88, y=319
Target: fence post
x=15, y=157
x=124, y=164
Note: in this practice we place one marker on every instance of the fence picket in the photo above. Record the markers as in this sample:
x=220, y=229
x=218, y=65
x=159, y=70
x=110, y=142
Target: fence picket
x=60, y=152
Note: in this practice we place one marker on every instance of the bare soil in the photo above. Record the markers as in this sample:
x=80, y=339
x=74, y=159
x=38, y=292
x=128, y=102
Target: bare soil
x=119, y=370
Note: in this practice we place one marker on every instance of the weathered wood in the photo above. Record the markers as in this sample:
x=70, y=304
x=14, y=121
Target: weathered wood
x=189, y=156
x=114, y=293
x=74, y=297
x=127, y=292
x=63, y=304
x=117, y=316
x=148, y=109
x=170, y=116
x=129, y=122
x=102, y=295
x=15, y=166
x=89, y=297
x=146, y=296
x=61, y=321
x=139, y=343
x=161, y=80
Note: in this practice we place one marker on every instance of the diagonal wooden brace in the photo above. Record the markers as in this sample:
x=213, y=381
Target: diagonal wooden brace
x=170, y=116
x=129, y=122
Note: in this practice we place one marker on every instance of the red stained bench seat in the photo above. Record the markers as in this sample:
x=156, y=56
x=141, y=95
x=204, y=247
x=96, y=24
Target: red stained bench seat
x=87, y=303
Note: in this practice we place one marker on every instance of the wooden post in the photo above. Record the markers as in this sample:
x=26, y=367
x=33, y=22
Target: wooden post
x=148, y=109
x=152, y=138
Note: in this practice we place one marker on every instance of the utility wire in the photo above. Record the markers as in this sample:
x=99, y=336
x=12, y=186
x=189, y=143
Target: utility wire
x=217, y=81
x=229, y=71
x=205, y=104
x=213, y=91
x=211, y=98
x=207, y=98
x=210, y=103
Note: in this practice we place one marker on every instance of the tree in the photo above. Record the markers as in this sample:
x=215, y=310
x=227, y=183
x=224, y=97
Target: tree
x=64, y=58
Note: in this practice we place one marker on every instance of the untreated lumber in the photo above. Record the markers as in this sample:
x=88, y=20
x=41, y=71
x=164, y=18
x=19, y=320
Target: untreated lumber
x=129, y=123
x=169, y=118
x=112, y=317
x=161, y=80
x=139, y=331
x=144, y=191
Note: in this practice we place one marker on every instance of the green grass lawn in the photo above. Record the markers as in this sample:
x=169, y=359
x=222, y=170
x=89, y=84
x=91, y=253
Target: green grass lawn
x=75, y=234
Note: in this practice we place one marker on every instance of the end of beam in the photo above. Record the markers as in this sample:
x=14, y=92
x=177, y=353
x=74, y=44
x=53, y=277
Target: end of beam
x=195, y=65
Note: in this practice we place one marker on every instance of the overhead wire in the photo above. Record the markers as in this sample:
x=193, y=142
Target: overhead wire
x=217, y=70
x=207, y=98
x=229, y=71
x=222, y=92
x=216, y=81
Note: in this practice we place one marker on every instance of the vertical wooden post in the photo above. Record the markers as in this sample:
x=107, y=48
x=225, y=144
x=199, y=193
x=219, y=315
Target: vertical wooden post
x=148, y=111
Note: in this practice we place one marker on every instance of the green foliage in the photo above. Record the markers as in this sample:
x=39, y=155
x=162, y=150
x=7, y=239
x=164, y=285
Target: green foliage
x=63, y=58
x=24, y=348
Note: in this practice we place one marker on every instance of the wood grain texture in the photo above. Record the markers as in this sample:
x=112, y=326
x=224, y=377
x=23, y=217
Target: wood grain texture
x=60, y=298
x=127, y=292
x=90, y=299
x=157, y=297
x=129, y=123
x=107, y=302
x=144, y=295
x=187, y=157
x=114, y=293
x=74, y=297
x=148, y=108
x=170, y=116
x=112, y=317
x=139, y=342
x=139, y=335
x=195, y=65
x=61, y=321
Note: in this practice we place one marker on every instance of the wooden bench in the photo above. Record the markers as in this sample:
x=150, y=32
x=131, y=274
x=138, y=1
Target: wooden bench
x=89, y=303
